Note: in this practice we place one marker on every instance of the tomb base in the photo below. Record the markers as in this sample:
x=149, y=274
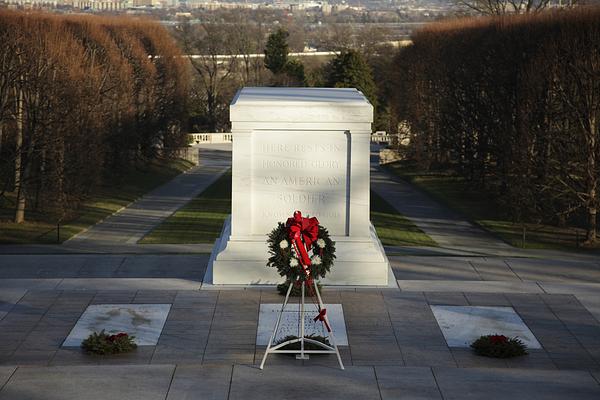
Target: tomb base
x=360, y=261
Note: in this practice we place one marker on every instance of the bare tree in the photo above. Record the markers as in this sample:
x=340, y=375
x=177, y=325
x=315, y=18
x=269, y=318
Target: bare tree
x=80, y=97
x=499, y=7
x=575, y=88
x=212, y=51
x=512, y=105
x=249, y=40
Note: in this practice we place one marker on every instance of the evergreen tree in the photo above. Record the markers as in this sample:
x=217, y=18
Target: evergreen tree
x=294, y=69
x=276, y=51
x=350, y=70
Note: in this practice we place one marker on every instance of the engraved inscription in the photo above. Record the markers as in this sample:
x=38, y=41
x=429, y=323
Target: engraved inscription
x=308, y=176
x=300, y=148
x=303, y=198
x=290, y=325
x=288, y=163
x=282, y=215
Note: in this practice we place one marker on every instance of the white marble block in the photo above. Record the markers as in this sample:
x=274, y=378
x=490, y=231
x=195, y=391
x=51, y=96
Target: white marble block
x=290, y=324
x=301, y=149
x=462, y=325
x=144, y=321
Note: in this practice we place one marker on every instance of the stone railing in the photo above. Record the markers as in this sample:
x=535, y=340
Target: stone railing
x=204, y=138
x=380, y=137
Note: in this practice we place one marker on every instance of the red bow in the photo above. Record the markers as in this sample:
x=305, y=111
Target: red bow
x=497, y=339
x=302, y=232
x=321, y=317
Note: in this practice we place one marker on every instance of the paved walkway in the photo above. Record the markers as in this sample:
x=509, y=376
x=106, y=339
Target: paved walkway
x=454, y=235
x=132, y=223
x=87, y=247
x=170, y=382
x=501, y=275
x=245, y=382
x=448, y=229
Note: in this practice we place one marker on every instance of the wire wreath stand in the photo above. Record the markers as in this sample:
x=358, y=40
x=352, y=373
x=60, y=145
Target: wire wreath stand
x=303, y=354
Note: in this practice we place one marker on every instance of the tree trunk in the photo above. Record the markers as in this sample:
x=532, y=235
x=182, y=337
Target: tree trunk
x=591, y=226
x=247, y=61
x=592, y=185
x=212, y=111
x=19, y=190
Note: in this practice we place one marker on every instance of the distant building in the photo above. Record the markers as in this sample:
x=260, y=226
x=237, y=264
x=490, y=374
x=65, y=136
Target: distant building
x=35, y=3
x=81, y=4
x=214, y=5
x=107, y=5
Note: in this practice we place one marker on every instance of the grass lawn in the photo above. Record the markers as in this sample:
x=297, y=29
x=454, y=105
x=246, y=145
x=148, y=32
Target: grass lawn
x=392, y=228
x=484, y=210
x=199, y=221
x=40, y=228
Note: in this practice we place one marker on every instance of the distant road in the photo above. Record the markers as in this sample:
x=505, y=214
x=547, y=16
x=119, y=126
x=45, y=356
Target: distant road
x=356, y=24
x=398, y=43
x=133, y=222
x=262, y=55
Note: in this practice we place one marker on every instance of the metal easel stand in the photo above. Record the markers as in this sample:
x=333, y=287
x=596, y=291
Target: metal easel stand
x=302, y=354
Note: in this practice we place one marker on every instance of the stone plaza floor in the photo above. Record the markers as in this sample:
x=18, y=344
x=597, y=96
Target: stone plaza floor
x=384, y=327
x=207, y=347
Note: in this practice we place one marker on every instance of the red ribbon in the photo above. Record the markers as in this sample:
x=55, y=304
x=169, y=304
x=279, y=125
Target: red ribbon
x=497, y=339
x=302, y=232
x=321, y=317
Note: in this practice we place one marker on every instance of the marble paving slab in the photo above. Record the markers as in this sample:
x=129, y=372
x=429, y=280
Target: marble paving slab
x=8, y=298
x=128, y=284
x=461, y=325
x=10, y=295
x=469, y=286
x=144, y=321
x=290, y=322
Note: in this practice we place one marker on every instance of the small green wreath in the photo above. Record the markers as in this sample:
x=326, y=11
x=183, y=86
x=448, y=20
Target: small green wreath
x=284, y=258
x=499, y=346
x=102, y=343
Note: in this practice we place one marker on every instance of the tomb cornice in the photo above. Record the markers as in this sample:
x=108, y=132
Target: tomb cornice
x=298, y=105
x=356, y=128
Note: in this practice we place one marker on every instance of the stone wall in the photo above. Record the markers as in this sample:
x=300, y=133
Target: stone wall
x=190, y=154
x=387, y=156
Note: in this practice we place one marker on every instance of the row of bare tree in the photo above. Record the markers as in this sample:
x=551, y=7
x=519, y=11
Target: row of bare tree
x=82, y=99
x=513, y=104
x=223, y=57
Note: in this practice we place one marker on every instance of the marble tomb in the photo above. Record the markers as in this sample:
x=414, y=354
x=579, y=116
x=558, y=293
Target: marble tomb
x=301, y=149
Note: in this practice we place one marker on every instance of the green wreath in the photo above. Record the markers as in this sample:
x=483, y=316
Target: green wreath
x=284, y=258
x=499, y=346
